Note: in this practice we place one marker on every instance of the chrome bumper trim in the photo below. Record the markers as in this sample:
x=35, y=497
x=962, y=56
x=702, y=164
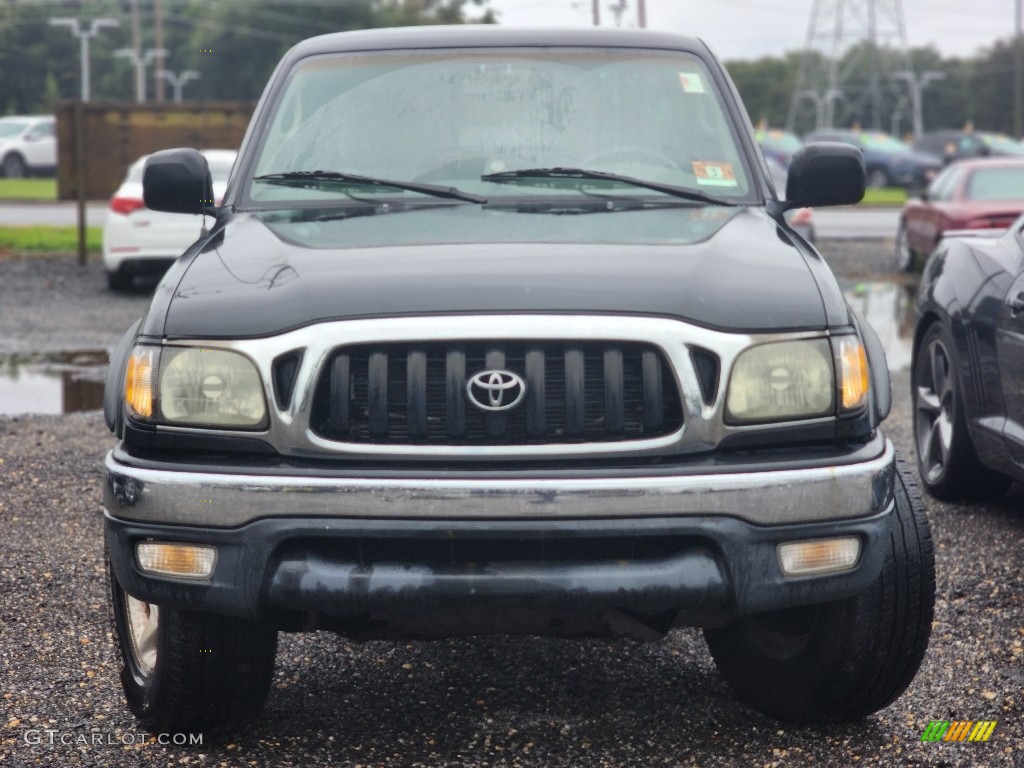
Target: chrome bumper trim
x=763, y=498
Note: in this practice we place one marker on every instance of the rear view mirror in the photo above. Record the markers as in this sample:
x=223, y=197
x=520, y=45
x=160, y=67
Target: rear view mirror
x=178, y=181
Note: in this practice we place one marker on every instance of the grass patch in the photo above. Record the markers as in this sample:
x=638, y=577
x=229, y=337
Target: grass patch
x=48, y=239
x=28, y=189
x=886, y=196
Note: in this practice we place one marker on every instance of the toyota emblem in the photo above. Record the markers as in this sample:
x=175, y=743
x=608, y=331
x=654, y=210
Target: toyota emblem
x=496, y=390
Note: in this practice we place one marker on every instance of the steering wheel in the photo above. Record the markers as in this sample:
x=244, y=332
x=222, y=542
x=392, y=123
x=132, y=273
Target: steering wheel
x=625, y=154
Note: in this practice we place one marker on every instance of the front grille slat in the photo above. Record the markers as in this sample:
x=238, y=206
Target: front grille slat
x=416, y=394
x=377, y=379
x=582, y=391
x=340, y=400
x=575, y=392
x=614, y=400
x=653, y=393
x=455, y=393
x=535, y=390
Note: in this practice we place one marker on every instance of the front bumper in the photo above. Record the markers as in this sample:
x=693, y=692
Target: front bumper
x=413, y=557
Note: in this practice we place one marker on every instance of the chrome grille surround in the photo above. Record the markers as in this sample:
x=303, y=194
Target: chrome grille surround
x=703, y=426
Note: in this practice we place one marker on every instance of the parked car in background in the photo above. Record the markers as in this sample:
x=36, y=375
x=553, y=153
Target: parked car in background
x=28, y=145
x=888, y=161
x=959, y=145
x=140, y=242
x=800, y=219
x=986, y=193
x=448, y=364
x=968, y=365
x=778, y=144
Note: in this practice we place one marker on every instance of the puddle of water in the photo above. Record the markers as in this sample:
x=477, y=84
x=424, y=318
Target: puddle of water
x=889, y=307
x=54, y=383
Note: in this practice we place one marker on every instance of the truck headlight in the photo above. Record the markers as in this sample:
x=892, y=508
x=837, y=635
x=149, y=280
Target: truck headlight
x=781, y=381
x=196, y=386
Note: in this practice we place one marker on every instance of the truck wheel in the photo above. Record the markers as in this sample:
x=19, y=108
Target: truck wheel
x=190, y=672
x=842, y=660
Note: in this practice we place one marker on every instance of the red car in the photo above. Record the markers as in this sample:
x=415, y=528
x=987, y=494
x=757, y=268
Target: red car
x=986, y=193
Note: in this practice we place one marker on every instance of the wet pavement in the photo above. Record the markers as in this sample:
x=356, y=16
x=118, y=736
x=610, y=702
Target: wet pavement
x=53, y=382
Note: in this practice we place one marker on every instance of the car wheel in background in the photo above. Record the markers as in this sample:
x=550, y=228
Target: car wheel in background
x=118, y=281
x=14, y=166
x=186, y=671
x=878, y=178
x=846, y=659
x=906, y=258
x=946, y=460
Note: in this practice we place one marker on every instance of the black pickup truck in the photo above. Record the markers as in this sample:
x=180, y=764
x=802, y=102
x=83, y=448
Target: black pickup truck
x=504, y=331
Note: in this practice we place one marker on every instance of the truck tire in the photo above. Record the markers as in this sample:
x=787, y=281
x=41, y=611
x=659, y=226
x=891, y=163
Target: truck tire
x=843, y=660
x=190, y=672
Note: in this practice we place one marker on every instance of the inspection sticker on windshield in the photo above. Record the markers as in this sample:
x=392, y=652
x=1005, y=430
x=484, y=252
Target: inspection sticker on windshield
x=714, y=174
x=692, y=82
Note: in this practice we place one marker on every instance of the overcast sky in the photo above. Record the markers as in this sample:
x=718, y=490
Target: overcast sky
x=745, y=29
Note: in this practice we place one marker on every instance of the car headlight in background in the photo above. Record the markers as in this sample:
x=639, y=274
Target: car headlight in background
x=788, y=380
x=196, y=386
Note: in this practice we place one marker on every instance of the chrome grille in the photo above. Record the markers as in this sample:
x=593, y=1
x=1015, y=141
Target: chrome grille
x=576, y=391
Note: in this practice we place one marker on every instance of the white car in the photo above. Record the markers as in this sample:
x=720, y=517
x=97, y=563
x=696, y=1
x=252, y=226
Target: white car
x=28, y=145
x=138, y=241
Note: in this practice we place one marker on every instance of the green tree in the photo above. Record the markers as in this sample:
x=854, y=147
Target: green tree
x=41, y=62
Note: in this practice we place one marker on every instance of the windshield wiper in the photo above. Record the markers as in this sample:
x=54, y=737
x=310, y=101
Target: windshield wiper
x=337, y=178
x=506, y=177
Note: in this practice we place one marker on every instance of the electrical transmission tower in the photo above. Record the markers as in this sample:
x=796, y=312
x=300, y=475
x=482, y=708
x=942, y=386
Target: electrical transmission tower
x=852, y=48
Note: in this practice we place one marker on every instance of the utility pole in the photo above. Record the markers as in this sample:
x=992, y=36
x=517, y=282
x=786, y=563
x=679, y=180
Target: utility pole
x=1018, y=67
x=597, y=13
x=917, y=86
x=158, y=44
x=178, y=81
x=136, y=31
x=618, y=9
x=84, y=37
x=140, y=63
x=641, y=13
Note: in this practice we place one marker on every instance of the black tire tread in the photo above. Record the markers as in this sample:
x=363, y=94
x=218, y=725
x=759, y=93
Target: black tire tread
x=864, y=651
x=213, y=672
x=217, y=675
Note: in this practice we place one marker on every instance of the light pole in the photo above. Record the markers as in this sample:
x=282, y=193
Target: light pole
x=917, y=86
x=178, y=81
x=140, y=63
x=84, y=36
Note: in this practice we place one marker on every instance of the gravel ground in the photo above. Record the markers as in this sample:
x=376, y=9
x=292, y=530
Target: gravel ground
x=477, y=702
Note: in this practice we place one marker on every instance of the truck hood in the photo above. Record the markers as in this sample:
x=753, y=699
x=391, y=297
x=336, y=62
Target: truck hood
x=724, y=268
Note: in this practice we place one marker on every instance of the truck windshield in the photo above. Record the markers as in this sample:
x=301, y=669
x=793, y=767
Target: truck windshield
x=454, y=117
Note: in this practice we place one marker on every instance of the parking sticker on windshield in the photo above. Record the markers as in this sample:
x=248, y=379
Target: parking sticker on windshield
x=714, y=174
x=692, y=82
